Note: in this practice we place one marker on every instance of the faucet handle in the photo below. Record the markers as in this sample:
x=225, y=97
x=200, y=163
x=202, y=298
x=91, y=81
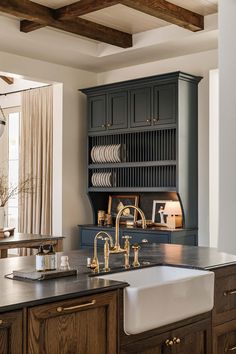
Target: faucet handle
x=127, y=237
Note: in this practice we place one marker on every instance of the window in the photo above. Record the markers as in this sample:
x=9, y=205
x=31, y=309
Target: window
x=13, y=119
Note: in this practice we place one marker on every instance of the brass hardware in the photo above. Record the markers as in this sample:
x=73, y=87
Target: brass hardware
x=154, y=120
x=169, y=343
x=229, y=292
x=176, y=340
x=1, y=322
x=117, y=248
x=109, y=125
x=62, y=309
x=127, y=248
x=148, y=120
x=103, y=126
x=136, y=249
x=144, y=240
x=95, y=263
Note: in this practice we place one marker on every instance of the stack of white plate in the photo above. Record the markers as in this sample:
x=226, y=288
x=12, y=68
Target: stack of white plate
x=106, y=153
x=101, y=179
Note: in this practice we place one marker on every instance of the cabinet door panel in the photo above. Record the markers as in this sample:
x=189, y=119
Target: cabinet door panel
x=152, y=345
x=87, y=237
x=11, y=333
x=224, y=338
x=97, y=113
x=194, y=339
x=140, y=101
x=80, y=330
x=118, y=110
x=164, y=104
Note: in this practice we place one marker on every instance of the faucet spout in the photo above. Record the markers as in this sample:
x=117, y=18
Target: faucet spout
x=117, y=248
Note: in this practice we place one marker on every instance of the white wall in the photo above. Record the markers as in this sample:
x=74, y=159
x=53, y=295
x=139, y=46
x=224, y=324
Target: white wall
x=75, y=205
x=227, y=126
x=197, y=64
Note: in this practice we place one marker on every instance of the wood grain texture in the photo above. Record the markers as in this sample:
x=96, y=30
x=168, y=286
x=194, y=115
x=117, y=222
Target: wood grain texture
x=82, y=7
x=11, y=341
x=92, y=329
x=168, y=12
x=224, y=337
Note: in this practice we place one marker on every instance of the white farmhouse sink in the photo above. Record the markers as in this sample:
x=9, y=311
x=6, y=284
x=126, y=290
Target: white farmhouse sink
x=161, y=295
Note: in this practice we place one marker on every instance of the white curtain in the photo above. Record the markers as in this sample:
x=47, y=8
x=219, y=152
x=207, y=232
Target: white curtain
x=35, y=209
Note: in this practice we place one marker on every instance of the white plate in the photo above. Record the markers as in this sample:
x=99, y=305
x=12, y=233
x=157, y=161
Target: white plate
x=92, y=153
x=96, y=154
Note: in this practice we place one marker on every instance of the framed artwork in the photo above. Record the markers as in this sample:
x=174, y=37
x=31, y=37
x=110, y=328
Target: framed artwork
x=117, y=202
x=158, y=216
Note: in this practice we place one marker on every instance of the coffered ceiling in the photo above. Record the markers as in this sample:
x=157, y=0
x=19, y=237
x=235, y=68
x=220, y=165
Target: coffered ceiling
x=104, y=34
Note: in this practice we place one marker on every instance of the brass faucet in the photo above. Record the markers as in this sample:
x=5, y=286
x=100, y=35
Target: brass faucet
x=95, y=263
x=117, y=248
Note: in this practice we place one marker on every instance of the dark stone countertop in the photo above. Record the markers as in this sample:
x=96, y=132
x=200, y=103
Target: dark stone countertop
x=15, y=294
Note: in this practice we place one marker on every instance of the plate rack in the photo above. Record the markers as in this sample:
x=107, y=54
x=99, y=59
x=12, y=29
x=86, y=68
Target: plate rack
x=147, y=162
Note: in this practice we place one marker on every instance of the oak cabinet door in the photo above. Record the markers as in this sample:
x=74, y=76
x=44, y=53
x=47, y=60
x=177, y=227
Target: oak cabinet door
x=11, y=333
x=224, y=338
x=86, y=325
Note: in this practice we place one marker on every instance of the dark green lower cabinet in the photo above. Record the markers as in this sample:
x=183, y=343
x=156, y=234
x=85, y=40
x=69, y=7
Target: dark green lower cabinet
x=148, y=236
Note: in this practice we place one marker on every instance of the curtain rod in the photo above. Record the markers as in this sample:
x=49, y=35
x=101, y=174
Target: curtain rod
x=29, y=89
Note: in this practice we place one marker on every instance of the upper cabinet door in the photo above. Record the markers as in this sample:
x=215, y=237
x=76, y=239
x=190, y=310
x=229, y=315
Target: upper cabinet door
x=164, y=104
x=97, y=113
x=140, y=107
x=117, y=110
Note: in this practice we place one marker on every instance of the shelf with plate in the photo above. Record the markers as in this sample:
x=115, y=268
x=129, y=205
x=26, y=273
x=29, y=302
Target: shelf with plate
x=142, y=140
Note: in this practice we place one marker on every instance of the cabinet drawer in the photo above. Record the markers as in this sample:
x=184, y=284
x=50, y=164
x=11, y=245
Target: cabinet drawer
x=225, y=295
x=224, y=338
x=87, y=237
x=139, y=237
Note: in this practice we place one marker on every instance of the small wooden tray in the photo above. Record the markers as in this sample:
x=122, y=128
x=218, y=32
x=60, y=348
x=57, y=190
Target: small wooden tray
x=7, y=229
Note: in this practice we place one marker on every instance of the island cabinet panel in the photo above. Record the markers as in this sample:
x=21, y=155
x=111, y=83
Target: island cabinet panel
x=224, y=338
x=11, y=333
x=191, y=339
x=225, y=295
x=87, y=325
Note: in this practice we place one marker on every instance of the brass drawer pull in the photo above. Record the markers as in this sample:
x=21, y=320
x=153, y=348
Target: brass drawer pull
x=230, y=349
x=176, y=340
x=229, y=292
x=62, y=309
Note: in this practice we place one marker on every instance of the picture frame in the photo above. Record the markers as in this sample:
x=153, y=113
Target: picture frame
x=116, y=202
x=158, y=218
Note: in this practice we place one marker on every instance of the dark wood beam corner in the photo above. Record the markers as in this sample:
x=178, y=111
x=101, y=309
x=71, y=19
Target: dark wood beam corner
x=82, y=7
x=27, y=26
x=168, y=12
x=7, y=79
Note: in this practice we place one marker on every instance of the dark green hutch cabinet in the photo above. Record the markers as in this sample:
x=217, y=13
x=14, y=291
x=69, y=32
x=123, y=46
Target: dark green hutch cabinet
x=155, y=121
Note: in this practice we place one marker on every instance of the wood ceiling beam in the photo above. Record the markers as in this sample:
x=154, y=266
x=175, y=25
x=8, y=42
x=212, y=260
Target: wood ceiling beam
x=83, y=7
x=44, y=16
x=85, y=28
x=168, y=12
x=7, y=79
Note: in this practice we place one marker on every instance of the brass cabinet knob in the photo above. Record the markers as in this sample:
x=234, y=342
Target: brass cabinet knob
x=148, y=120
x=144, y=240
x=176, y=340
x=103, y=125
x=169, y=343
x=109, y=125
x=155, y=119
